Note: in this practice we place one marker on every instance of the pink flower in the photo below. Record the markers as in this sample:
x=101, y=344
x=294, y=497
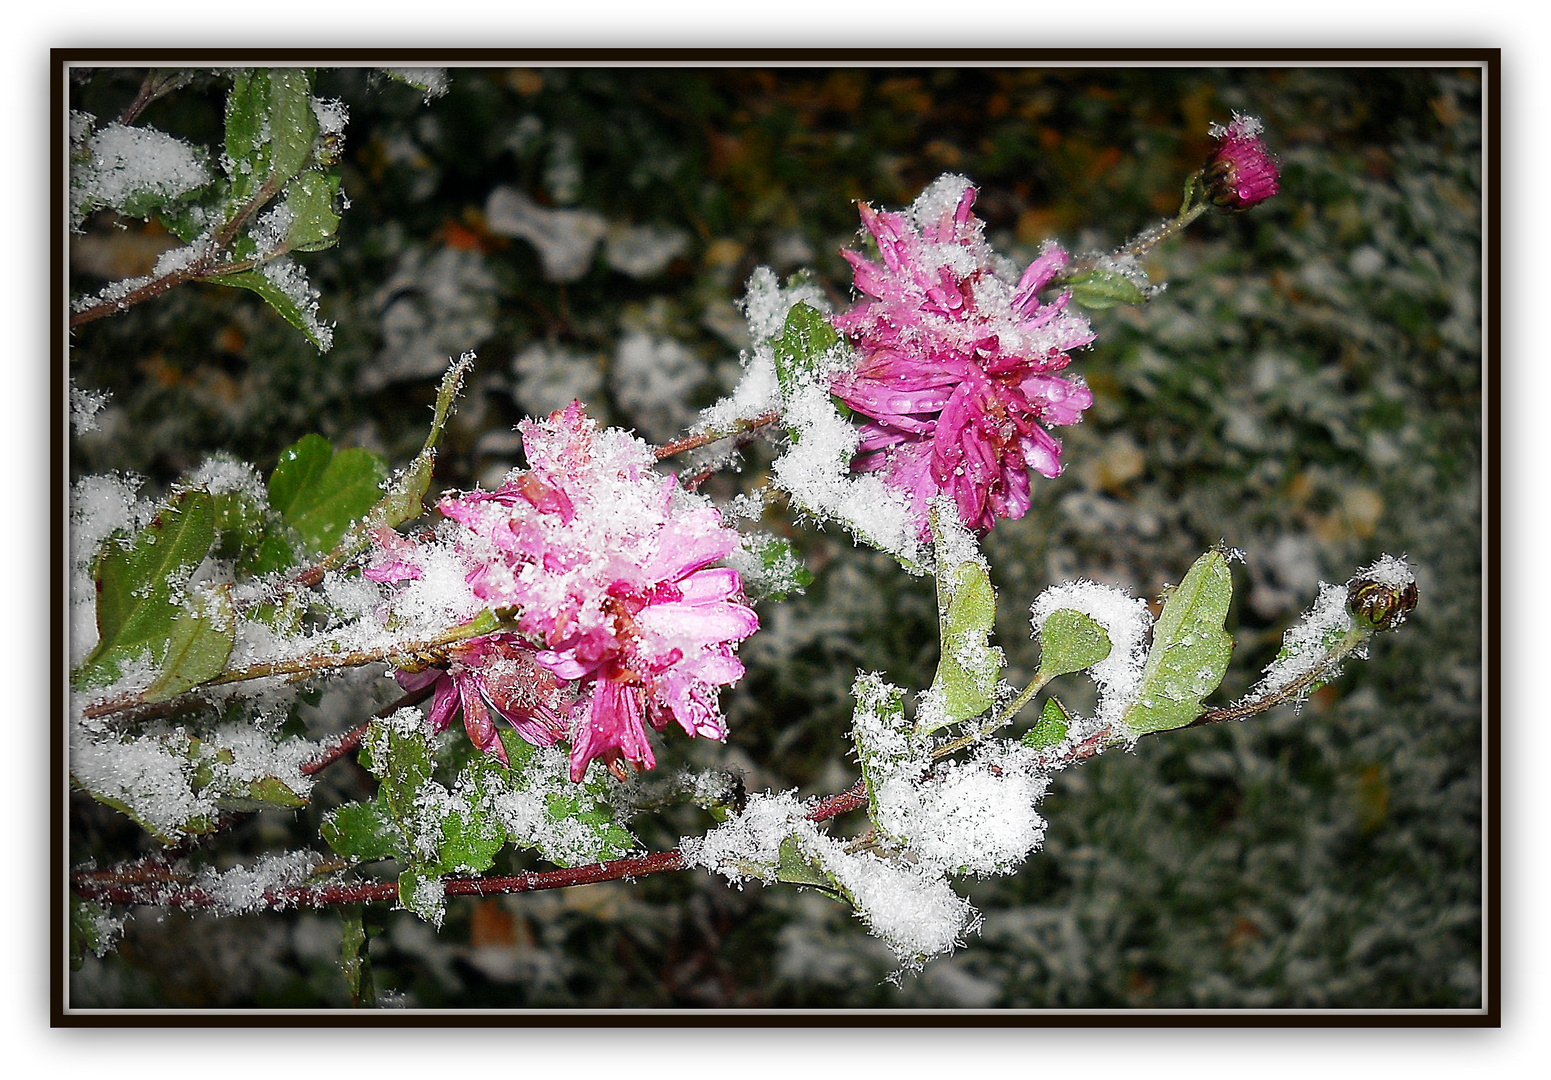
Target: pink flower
x=608, y=565
x=1241, y=171
x=956, y=363
x=488, y=677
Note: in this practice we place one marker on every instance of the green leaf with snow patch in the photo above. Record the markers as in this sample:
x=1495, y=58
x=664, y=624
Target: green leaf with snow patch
x=202, y=637
x=1070, y=641
x=283, y=302
x=253, y=536
x=363, y=831
x=270, y=130
x=213, y=776
x=588, y=831
x=794, y=867
x=1190, y=649
x=1100, y=289
x=421, y=892
x=1054, y=722
x=778, y=571
x=140, y=581
x=968, y=667
x=799, y=351
x=311, y=198
x=883, y=738
x=321, y=491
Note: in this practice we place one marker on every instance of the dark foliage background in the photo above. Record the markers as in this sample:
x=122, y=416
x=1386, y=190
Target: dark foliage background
x=1308, y=389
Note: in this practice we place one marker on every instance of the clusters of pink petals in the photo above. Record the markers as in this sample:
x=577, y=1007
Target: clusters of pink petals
x=1240, y=171
x=957, y=365
x=608, y=566
x=488, y=677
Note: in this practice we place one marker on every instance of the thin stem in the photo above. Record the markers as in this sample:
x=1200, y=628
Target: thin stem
x=1013, y=708
x=206, y=266
x=1139, y=245
x=706, y=438
x=1320, y=672
x=314, y=664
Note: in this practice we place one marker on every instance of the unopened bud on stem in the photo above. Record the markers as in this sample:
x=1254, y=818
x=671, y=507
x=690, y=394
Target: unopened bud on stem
x=1241, y=171
x=1382, y=595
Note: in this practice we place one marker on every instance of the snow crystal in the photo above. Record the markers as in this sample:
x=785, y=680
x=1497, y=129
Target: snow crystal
x=766, y=305
x=153, y=777
x=430, y=895
x=126, y=162
x=1388, y=570
x=242, y=888
x=84, y=407
x=910, y=907
x=974, y=816
x=222, y=474
x=1125, y=620
x=816, y=471
x=1308, y=640
x=332, y=115
x=564, y=239
x=915, y=911
x=941, y=197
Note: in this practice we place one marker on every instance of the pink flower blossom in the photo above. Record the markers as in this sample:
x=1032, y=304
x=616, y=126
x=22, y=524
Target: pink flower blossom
x=489, y=677
x=956, y=369
x=608, y=566
x=1241, y=171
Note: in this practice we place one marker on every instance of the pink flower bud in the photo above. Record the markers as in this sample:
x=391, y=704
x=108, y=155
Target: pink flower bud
x=1241, y=171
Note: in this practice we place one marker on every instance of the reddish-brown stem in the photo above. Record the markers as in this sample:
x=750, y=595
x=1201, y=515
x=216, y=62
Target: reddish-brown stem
x=352, y=738
x=207, y=265
x=133, y=888
x=706, y=438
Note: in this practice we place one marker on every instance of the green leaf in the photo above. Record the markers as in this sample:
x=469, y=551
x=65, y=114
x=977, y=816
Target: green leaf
x=314, y=222
x=265, y=793
x=1100, y=289
x=140, y=583
x=283, y=302
x=1070, y=641
x=247, y=106
x=883, y=738
x=321, y=492
x=420, y=891
x=793, y=867
x=363, y=831
x=270, y=129
x=293, y=126
x=968, y=667
x=252, y=535
x=201, y=640
x=778, y=570
x=1054, y=722
x=1190, y=649
x=799, y=351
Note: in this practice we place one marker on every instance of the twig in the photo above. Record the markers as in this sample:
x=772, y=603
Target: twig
x=706, y=438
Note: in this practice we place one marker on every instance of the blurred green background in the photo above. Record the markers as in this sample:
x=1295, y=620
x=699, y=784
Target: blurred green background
x=1307, y=389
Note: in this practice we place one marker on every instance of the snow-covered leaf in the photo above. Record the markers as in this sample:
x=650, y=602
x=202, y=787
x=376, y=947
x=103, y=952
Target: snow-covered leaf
x=140, y=582
x=966, y=603
x=290, y=304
